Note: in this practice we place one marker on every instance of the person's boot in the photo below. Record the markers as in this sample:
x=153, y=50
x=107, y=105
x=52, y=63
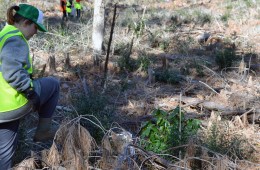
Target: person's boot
x=44, y=131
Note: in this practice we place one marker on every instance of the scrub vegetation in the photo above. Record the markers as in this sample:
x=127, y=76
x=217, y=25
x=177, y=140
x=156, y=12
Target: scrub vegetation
x=182, y=89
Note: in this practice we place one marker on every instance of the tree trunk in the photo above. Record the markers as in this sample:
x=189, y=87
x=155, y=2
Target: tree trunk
x=98, y=31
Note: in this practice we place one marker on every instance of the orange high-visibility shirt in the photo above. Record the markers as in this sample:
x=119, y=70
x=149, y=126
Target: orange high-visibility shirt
x=63, y=5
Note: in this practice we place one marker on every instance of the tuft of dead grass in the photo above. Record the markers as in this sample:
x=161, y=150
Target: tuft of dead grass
x=26, y=164
x=53, y=157
x=75, y=144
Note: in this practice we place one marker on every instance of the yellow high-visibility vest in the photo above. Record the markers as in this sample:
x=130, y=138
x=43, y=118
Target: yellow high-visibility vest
x=77, y=5
x=10, y=99
x=68, y=7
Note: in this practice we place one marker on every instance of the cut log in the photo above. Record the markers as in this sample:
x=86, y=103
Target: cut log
x=215, y=106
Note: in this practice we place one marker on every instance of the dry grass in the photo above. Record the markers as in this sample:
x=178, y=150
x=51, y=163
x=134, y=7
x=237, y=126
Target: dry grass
x=76, y=144
x=71, y=149
x=26, y=164
x=53, y=157
x=73, y=145
x=234, y=138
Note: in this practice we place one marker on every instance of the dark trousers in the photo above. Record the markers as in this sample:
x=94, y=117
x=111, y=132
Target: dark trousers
x=78, y=13
x=48, y=89
x=64, y=16
x=8, y=143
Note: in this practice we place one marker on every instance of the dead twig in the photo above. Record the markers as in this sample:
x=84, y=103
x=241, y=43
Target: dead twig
x=109, y=44
x=209, y=87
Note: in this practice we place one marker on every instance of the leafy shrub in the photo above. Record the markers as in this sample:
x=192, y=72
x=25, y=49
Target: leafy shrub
x=90, y=104
x=224, y=58
x=167, y=130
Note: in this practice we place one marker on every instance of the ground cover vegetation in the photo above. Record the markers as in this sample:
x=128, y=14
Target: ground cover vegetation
x=182, y=89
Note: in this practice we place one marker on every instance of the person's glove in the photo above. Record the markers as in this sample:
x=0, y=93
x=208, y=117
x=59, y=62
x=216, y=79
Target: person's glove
x=32, y=96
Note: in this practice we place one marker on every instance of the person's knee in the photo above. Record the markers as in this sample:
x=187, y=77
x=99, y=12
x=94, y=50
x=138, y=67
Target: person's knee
x=55, y=82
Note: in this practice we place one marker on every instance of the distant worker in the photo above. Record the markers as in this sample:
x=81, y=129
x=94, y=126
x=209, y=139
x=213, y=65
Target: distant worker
x=63, y=5
x=77, y=6
x=69, y=6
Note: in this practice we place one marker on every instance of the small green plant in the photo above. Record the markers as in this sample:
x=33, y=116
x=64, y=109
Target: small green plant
x=193, y=67
x=90, y=104
x=164, y=44
x=225, y=16
x=227, y=13
x=224, y=58
x=121, y=48
x=184, y=16
x=184, y=44
x=93, y=104
x=139, y=28
x=124, y=61
x=125, y=84
x=143, y=62
x=229, y=7
x=167, y=76
x=222, y=139
x=167, y=129
x=249, y=3
x=127, y=63
x=155, y=38
x=202, y=17
x=126, y=19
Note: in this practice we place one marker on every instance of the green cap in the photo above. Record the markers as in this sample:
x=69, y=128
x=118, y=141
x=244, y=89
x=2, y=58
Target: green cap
x=33, y=14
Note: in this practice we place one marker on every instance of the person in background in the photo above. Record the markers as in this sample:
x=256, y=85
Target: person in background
x=19, y=93
x=69, y=6
x=63, y=10
x=77, y=6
